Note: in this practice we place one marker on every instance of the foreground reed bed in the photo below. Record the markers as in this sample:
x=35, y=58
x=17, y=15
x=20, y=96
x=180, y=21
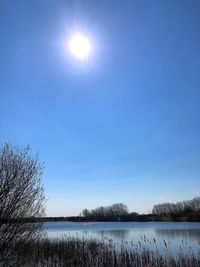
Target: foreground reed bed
x=71, y=252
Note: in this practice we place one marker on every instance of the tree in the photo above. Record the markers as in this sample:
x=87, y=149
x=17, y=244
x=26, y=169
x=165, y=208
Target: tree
x=117, y=209
x=183, y=207
x=86, y=212
x=21, y=197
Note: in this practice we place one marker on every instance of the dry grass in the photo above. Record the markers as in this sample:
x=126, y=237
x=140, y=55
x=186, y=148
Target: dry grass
x=81, y=252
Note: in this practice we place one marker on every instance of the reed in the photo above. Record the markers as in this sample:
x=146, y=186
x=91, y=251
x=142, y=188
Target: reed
x=70, y=252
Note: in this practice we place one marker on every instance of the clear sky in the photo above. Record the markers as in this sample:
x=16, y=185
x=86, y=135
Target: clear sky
x=123, y=126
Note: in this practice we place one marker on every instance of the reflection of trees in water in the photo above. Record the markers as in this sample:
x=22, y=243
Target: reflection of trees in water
x=183, y=233
x=119, y=234
x=116, y=234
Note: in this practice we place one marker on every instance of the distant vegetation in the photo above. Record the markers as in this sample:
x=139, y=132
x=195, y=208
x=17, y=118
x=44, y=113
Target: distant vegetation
x=188, y=210
x=181, y=211
x=118, y=209
x=181, y=207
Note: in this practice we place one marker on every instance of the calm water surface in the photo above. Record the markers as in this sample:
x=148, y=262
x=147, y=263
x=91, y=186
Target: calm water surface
x=175, y=234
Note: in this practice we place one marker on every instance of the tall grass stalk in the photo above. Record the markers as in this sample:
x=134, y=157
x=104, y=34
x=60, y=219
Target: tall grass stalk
x=72, y=252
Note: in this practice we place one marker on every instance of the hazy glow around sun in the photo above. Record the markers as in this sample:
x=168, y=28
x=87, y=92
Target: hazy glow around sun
x=79, y=46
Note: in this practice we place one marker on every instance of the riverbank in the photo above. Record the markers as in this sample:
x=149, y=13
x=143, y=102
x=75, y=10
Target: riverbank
x=190, y=217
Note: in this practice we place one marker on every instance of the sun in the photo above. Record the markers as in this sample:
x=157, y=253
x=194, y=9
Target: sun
x=79, y=46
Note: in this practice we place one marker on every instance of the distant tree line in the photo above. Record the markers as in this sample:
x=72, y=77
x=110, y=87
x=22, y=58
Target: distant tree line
x=181, y=211
x=183, y=207
x=117, y=209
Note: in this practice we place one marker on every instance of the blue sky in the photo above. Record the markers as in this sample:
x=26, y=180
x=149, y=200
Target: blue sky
x=123, y=126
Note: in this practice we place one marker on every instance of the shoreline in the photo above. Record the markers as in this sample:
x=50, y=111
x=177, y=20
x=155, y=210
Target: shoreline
x=140, y=218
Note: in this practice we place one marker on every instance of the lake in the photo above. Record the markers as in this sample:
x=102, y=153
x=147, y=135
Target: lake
x=179, y=236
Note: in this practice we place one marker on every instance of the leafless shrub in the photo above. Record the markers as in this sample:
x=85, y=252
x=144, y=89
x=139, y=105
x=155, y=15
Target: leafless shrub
x=21, y=198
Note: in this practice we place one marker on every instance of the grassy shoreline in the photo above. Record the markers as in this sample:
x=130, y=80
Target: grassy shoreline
x=81, y=252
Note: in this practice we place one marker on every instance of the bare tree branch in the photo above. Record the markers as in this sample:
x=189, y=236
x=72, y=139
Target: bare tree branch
x=21, y=197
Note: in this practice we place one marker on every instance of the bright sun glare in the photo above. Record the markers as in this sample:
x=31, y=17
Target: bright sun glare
x=79, y=46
